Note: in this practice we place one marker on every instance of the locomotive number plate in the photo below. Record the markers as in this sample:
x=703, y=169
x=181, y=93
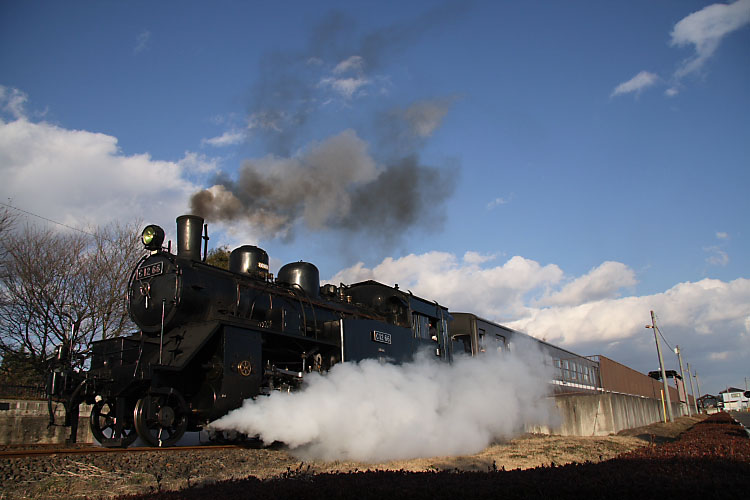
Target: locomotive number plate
x=382, y=337
x=150, y=270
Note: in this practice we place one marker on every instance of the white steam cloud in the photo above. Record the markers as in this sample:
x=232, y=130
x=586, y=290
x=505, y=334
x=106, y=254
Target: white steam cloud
x=373, y=412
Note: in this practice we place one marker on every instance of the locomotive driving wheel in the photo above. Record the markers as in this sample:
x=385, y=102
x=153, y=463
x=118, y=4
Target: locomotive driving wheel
x=103, y=422
x=161, y=419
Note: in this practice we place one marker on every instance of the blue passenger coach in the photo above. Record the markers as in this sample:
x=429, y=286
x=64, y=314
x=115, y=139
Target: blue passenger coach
x=473, y=335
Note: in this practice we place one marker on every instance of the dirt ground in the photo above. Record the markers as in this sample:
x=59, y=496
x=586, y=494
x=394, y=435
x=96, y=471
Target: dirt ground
x=534, y=450
x=108, y=475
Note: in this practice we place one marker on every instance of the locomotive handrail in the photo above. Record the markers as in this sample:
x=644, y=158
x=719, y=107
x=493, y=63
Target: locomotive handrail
x=252, y=306
x=161, y=333
x=140, y=355
x=304, y=316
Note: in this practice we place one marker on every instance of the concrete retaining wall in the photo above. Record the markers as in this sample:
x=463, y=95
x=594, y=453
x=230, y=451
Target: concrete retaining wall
x=27, y=422
x=596, y=414
x=604, y=413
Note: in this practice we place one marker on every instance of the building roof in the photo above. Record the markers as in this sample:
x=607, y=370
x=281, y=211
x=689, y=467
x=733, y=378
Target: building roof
x=732, y=389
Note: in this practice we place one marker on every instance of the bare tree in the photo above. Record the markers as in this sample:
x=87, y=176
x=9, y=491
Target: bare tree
x=64, y=289
x=7, y=221
x=112, y=256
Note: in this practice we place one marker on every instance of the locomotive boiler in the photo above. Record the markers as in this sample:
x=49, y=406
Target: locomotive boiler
x=210, y=338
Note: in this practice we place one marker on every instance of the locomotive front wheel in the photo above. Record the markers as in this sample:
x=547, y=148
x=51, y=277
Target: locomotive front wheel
x=103, y=422
x=160, y=419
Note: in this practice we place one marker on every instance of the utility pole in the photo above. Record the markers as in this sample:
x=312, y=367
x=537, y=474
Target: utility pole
x=698, y=381
x=682, y=374
x=695, y=399
x=661, y=366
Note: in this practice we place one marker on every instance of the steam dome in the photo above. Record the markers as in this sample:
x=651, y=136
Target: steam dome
x=303, y=275
x=250, y=260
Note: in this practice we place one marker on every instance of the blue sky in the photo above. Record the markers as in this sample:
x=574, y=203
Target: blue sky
x=570, y=166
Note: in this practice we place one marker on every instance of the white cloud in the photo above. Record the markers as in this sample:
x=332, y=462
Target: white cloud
x=349, y=78
x=228, y=138
x=353, y=63
x=198, y=163
x=477, y=258
x=346, y=87
x=141, y=41
x=586, y=313
x=638, y=83
x=13, y=101
x=705, y=29
x=718, y=256
x=499, y=201
x=463, y=284
x=80, y=177
x=602, y=282
x=699, y=316
x=719, y=356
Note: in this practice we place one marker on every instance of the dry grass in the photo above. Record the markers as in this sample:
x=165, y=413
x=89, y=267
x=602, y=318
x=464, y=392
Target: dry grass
x=89, y=476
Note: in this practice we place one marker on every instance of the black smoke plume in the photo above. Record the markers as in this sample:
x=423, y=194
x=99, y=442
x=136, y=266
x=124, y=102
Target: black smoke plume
x=333, y=185
x=337, y=183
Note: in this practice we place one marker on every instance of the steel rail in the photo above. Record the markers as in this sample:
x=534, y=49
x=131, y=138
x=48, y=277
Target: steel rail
x=37, y=452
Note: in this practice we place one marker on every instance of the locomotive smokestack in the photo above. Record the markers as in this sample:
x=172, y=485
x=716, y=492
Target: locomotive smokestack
x=189, y=235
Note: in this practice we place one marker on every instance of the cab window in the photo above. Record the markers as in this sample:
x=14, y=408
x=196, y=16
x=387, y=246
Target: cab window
x=424, y=327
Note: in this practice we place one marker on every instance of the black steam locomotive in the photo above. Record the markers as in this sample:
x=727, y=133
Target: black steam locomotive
x=211, y=338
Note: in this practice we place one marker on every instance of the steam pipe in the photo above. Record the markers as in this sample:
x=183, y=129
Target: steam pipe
x=205, y=241
x=161, y=335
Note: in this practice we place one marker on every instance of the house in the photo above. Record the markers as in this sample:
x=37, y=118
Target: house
x=735, y=399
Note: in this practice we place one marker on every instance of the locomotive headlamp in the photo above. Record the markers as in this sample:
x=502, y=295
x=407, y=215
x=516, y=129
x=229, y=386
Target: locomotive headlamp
x=152, y=237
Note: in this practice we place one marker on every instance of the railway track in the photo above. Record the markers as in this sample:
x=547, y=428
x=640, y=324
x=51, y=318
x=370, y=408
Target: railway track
x=54, y=450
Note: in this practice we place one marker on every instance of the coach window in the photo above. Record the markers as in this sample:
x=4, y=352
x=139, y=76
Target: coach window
x=499, y=343
x=481, y=340
x=461, y=344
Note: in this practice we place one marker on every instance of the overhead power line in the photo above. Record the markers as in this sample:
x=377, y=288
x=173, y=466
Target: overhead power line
x=47, y=219
x=658, y=328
